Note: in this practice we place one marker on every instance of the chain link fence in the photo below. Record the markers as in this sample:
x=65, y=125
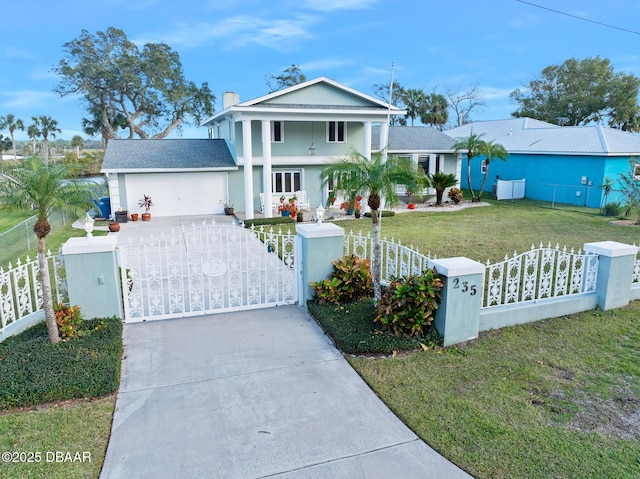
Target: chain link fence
x=17, y=241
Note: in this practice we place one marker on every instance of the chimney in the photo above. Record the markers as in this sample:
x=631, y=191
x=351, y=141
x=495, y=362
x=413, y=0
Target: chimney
x=229, y=99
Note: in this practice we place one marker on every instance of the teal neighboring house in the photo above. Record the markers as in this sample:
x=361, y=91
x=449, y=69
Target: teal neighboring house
x=560, y=164
x=265, y=148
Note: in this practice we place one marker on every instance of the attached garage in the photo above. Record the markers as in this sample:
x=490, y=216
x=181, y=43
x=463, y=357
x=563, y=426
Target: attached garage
x=183, y=177
x=178, y=194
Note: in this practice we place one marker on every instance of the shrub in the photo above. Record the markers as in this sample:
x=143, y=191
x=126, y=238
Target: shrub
x=353, y=331
x=409, y=304
x=612, y=209
x=350, y=281
x=385, y=213
x=68, y=319
x=455, y=195
x=276, y=220
x=35, y=371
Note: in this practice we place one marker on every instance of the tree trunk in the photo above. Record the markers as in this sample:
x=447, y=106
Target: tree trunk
x=45, y=283
x=469, y=158
x=376, y=266
x=439, y=193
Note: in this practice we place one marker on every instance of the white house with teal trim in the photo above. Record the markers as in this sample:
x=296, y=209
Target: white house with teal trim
x=265, y=148
x=561, y=164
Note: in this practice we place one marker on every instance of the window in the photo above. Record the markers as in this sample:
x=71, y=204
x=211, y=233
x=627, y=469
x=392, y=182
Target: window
x=336, y=132
x=636, y=171
x=437, y=163
x=286, y=182
x=277, y=132
x=483, y=167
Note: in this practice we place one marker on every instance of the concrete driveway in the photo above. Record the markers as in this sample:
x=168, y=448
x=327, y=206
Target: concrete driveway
x=253, y=394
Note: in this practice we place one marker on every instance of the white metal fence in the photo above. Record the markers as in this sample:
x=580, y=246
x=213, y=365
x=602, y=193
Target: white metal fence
x=540, y=273
x=397, y=259
x=636, y=271
x=21, y=292
x=206, y=269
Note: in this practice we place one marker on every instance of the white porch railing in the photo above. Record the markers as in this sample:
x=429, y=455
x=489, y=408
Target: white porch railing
x=397, y=259
x=540, y=273
x=636, y=272
x=21, y=292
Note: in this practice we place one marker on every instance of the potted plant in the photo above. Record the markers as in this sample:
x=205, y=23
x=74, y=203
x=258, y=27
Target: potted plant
x=146, y=203
x=114, y=227
x=300, y=217
x=410, y=202
x=289, y=208
x=357, y=213
x=134, y=216
x=228, y=207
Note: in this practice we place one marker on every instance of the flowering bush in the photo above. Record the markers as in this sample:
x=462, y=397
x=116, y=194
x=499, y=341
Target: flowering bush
x=351, y=205
x=68, y=319
x=289, y=206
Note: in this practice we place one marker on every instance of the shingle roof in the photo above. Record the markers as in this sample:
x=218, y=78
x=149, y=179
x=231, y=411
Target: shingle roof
x=166, y=154
x=413, y=138
x=525, y=135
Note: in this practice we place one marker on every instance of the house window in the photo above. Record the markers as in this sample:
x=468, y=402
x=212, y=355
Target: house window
x=636, y=171
x=336, y=132
x=286, y=182
x=483, y=166
x=437, y=163
x=277, y=132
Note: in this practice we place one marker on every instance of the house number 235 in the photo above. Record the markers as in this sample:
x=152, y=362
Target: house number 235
x=464, y=285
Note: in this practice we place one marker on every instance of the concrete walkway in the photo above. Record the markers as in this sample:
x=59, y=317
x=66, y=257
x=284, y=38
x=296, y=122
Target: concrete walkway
x=253, y=394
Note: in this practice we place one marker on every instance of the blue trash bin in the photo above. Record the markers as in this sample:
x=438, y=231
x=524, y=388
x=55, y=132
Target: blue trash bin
x=104, y=205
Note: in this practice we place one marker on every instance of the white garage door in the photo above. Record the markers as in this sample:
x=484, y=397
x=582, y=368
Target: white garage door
x=178, y=194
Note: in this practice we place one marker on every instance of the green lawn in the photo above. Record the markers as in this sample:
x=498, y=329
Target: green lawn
x=9, y=219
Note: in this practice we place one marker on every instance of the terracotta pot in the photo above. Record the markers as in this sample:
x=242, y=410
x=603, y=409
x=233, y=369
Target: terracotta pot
x=411, y=206
x=114, y=227
x=134, y=216
x=146, y=216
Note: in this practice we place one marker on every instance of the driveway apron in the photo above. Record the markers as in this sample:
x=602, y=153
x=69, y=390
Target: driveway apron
x=253, y=394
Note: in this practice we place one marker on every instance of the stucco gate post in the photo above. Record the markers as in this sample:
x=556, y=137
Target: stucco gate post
x=319, y=245
x=93, y=278
x=458, y=316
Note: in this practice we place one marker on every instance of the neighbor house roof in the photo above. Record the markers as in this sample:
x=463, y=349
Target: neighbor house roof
x=167, y=154
x=525, y=135
x=413, y=139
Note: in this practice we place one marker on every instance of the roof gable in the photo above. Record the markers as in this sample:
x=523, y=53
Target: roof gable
x=319, y=91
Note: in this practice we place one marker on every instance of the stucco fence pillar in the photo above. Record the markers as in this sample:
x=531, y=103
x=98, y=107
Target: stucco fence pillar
x=93, y=278
x=319, y=245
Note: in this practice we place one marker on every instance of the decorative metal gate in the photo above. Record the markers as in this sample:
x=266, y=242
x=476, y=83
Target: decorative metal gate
x=207, y=269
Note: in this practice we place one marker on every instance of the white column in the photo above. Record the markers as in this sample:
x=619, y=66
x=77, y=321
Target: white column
x=384, y=139
x=247, y=152
x=266, y=167
x=458, y=169
x=366, y=148
x=432, y=164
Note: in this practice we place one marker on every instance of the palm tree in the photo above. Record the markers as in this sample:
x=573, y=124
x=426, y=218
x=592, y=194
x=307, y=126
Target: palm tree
x=12, y=124
x=378, y=179
x=44, y=126
x=34, y=134
x=44, y=188
x=436, y=110
x=441, y=181
x=607, y=188
x=470, y=145
x=5, y=144
x=78, y=142
x=413, y=99
x=491, y=151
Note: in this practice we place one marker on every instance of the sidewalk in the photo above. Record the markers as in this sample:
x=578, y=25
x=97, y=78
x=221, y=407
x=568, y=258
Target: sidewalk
x=253, y=394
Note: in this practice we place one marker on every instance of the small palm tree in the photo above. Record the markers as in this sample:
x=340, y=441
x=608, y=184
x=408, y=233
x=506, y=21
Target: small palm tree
x=441, y=181
x=491, y=151
x=44, y=188
x=470, y=145
x=5, y=144
x=11, y=123
x=375, y=179
x=607, y=188
x=44, y=126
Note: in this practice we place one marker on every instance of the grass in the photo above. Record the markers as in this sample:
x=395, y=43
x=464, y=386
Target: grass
x=34, y=373
x=9, y=219
x=554, y=399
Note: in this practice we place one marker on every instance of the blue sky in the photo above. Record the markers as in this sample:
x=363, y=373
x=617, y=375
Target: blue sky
x=499, y=45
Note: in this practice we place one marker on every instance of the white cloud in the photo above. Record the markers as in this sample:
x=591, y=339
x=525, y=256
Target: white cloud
x=26, y=98
x=237, y=31
x=330, y=5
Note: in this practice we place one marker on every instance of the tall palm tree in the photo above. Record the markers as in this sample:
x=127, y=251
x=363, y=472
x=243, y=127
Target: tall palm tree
x=78, y=143
x=44, y=188
x=413, y=99
x=34, y=134
x=11, y=123
x=441, y=181
x=436, y=110
x=470, y=145
x=375, y=179
x=45, y=125
x=5, y=144
x=491, y=151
